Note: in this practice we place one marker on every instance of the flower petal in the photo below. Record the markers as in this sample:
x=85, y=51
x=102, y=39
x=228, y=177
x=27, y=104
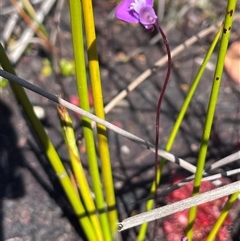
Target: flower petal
x=150, y=2
x=138, y=5
x=147, y=16
x=124, y=13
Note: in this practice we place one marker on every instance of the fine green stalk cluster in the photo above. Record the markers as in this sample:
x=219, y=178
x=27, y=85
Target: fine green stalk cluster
x=78, y=171
x=93, y=64
x=49, y=150
x=211, y=109
x=106, y=211
x=175, y=129
x=93, y=199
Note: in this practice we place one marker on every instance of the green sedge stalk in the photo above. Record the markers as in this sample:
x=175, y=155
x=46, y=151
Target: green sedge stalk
x=211, y=110
x=222, y=217
x=49, y=149
x=99, y=110
x=80, y=67
x=191, y=92
x=177, y=124
x=82, y=183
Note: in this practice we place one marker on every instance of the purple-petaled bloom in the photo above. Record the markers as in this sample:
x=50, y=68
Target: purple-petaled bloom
x=137, y=11
x=184, y=239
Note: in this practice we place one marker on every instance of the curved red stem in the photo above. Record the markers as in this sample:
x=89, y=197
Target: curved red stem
x=158, y=113
x=160, y=102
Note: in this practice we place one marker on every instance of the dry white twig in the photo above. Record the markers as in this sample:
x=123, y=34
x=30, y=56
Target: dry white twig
x=226, y=160
x=10, y=25
x=187, y=166
x=178, y=206
x=18, y=48
x=188, y=179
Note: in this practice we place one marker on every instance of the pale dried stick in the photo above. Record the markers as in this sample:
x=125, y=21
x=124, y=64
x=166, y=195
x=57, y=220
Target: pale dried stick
x=214, y=178
x=179, y=206
x=18, y=48
x=33, y=25
x=188, y=166
x=224, y=161
x=9, y=26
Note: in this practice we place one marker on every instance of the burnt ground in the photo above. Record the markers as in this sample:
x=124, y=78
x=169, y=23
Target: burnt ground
x=32, y=204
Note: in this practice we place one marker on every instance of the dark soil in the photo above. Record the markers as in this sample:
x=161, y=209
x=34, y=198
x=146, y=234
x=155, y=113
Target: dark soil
x=32, y=203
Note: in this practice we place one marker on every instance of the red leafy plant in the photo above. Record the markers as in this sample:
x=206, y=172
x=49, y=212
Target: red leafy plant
x=175, y=225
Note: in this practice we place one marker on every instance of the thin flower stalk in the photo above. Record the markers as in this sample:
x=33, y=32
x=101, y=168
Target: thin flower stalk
x=80, y=67
x=157, y=176
x=49, y=150
x=172, y=136
x=211, y=109
x=94, y=71
x=82, y=183
x=141, y=11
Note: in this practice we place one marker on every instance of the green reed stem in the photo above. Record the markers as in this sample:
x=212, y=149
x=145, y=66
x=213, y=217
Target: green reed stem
x=211, y=110
x=191, y=92
x=215, y=229
x=99, y=110
x=83, y=187
x=48, y=149
x=177, y=124
x=80, y=66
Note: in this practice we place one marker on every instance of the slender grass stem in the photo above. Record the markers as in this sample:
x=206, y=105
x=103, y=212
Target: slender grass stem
x=211, y=110
x=49, y=150
x=223, y=216
x=79, y=174
x=81, y=78
x=94, y=71
x=177, y=124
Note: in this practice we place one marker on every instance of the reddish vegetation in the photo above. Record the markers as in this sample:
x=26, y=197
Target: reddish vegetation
x=207, y=214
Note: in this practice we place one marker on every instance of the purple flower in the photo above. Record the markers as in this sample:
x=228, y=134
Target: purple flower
x=137, y=11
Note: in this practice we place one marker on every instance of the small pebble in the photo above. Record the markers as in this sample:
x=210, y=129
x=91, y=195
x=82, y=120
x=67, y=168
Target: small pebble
x=125, y=150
